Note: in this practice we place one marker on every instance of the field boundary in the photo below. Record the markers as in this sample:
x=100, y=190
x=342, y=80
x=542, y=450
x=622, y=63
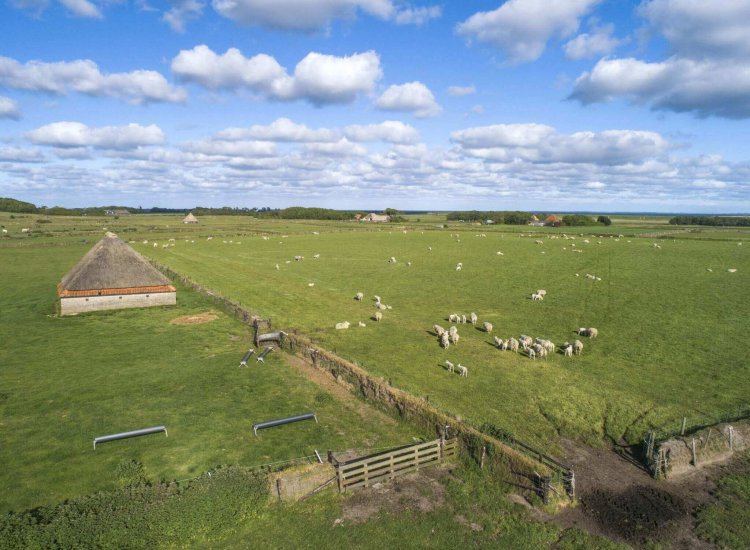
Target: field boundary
x=516, y=467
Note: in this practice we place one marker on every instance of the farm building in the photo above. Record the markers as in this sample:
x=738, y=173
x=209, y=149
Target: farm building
x=553, y=220
x=190, y=219
x=113, y=276
x=372, y=217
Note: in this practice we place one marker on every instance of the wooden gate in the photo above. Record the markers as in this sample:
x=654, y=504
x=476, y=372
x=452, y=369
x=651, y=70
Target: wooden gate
x=362, y=472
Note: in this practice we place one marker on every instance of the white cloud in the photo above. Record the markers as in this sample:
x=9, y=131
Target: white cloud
x=84, y=76
x=281, y=129
x=702, y=29
x=9, y=108
x=417, y=16
x=299, y=15
x=707, y=75
x=595, y=185
x=76, y=134
x=459, y=91
x=181, y=12
x=82, y=8
x=221, y=148
x=542, y=144
x=599, y=42
x=318, y=78
x=19, y=154
x=413, y=97
x=521, y=28
x=393, y=131
x=340, y=148
x=705, y=88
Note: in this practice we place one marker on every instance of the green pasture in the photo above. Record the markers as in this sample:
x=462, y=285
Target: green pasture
x=671, y=332
x=64, y=381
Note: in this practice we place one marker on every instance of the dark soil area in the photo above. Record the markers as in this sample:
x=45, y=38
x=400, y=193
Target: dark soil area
x=620, y=500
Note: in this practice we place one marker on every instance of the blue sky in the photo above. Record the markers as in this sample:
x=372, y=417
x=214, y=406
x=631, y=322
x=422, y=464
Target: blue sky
x=601, y=105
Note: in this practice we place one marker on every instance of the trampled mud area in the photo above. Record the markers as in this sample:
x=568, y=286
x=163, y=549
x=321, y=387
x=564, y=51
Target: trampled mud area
x=197, y=319
x=620, y=500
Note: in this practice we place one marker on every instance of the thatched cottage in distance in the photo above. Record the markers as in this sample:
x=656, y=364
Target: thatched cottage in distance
x=113, y=276
x=190, y=218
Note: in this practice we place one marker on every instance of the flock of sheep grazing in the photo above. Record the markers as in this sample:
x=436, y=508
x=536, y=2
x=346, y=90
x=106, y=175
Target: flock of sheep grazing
x=377, y=316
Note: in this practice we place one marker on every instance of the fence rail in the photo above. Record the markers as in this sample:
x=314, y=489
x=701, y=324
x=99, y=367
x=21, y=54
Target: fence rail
x=362, y=472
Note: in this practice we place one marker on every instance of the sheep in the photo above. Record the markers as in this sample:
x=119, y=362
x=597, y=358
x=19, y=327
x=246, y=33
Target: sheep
x=449, y=366
x=577, y=347
x=539, y=242
x=499, y=253
x=463, y=319
x=359, y=296
x=525, y=341
x=25, y=230
x=310, y=284
x=445, y=340
x=388, y=307
x=512, y=344
x=429, y=249
x=732, y=270
x=568, y=351
x=487, y=327
x=408, y=264
x=473, y=317
x=530, y=352
x=462, y=371
x=376, y=298
x=454, y=338
x=361, y=324
x=265, y=238
x=498, y=342
x=452, y=317
x=392, y=260
x=296, y=258
x=342, y=326
x=437, y=329
x=593, y=333
x=381, y=306
x=378, y=316
x=541, y=292
x=452, y=330
x=458, y=267
x=316, y=256
x=537, y=297
x=546, y=344
x=583, y=331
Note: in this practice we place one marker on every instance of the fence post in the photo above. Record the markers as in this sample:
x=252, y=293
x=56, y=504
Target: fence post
x=684, y=425
x=481, y=460
x=695, y=459
x=731, y=437
x=278, y=487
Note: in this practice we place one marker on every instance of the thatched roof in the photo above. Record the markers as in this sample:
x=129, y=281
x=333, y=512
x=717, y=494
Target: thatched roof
x=111, y=263
x=190, y=219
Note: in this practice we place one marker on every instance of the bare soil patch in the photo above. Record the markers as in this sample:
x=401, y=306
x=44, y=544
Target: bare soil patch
x=420, y=491
x=620, y=500
x=197, y=319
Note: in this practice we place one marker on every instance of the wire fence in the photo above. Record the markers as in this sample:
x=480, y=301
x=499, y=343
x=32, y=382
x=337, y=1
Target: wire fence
x=695, y=422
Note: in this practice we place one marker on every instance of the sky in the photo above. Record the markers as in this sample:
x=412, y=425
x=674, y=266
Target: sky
x=567, y=105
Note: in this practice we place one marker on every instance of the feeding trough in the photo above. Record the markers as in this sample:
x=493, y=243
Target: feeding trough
x=262, y=356
x=282, y=421
x=243, y=362
x=133, y=433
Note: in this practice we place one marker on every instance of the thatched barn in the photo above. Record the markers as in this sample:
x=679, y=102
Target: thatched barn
x=113, y=276
x=190, y=219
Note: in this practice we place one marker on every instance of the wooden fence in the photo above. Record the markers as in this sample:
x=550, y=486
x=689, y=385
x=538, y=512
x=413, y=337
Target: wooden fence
x=362, y=472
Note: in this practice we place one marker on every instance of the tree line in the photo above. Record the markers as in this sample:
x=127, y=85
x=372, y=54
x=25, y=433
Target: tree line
x=717, y=221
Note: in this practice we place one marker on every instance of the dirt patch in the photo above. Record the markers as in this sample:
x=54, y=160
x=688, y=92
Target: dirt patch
x=618, y=498
x=416, y=492
x=197, y=319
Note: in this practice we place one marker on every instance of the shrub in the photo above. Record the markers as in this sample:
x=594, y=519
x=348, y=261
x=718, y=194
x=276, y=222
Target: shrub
x=604, y=220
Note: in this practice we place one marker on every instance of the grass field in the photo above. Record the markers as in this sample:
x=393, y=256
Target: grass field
x=64, y=381
x=671, y=332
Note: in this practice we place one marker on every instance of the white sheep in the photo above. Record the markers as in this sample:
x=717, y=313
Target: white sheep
x=454, y=338
x=568, y=351
x=577, y=347
x=487, y=327
x=530, y=353
x=359, y=296
x=583, y=331
x=499, y=342
x=296, y=258
x=458, y=268
x=593, y=333
x=525, y=341
x=381, y=306
x=500, y=253
x=541, y=292
x=452, y=317
x=376, y=298
x=392, y=260
x=361, y=324
x=342, y=326
x=452, y=330
x=463, y=319
x=473, y=317
x=378, y=316
x=462, y=371
x=537, y=297
x=445, y=340
x=449, y=366
x=437, y=329
x=316, y=256
x=429, y=249
x=512, y=344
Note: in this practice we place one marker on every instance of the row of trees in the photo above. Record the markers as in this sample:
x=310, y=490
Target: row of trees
x=718, y=221
x=506, y=217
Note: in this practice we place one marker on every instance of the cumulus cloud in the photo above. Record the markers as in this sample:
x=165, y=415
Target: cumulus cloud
x=299, y=15
x=418, y=16
x=705, y=88
x=223, y=148
x=459, y=91
x=521, y=28
x=393, y=131
x=9, y=108
x=598, y=42
x=318, y=78
x=20, y=154
x=340, y=148
x=181, y=12
x=84, y=76
x=708, y=73
x=76, y=134
x=539, y=143
x=82, y=8
x=282, y=129
x=413, y=97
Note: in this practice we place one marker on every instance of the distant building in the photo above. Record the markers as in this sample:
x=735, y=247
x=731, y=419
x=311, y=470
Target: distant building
x=113, y=276
x=190, y=219
x=118, y=212
x=372, y=217
x=553, y=221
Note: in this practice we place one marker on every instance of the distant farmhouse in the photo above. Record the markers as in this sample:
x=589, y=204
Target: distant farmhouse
x=190, y=219
x=113, y=276
x=378, y=218
x=553, y=221
x=535, y=222
x=118, y=212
